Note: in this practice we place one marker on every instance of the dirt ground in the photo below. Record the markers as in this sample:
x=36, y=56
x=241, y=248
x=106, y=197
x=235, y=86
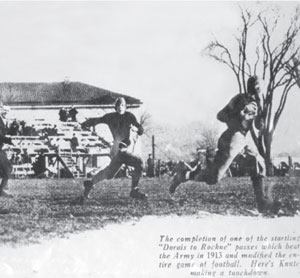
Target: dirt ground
x=45, y=209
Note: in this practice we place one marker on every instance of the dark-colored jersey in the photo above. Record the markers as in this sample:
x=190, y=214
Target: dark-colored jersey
x=119, y=125
x=231, y=113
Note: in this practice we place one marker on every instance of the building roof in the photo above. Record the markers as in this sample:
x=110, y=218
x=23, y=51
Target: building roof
x=58, y=93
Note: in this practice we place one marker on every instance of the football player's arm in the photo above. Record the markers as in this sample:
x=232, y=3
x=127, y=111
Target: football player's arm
x=134, y=122
x=226, y=113
x=93, y=121
x=223, y=115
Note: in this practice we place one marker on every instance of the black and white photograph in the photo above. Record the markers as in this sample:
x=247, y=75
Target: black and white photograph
x=150, y=139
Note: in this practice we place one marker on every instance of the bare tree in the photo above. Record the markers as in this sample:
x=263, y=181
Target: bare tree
x=208, y=139
x=145, y=121
x=276, y=62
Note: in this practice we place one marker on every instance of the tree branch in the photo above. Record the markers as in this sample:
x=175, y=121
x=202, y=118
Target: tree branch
x=282, y=102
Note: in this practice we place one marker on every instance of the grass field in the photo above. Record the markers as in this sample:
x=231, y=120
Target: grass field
x=45, y=208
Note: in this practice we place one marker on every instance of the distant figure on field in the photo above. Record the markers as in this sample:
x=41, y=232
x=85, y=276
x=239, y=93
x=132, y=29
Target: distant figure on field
x=5, y=164
x=63, y=114
x=150, y=166
x=26, y=157
x=74, y=143
x=72, y=113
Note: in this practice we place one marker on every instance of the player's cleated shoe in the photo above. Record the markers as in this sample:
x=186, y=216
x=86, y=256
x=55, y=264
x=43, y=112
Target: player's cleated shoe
x=267, y=207
x=5, y=194
x=179, y=177
x=136, y=194
x=88, y=186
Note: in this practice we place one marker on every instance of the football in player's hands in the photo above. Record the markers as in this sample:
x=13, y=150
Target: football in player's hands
x=250, y=111
x=251, y=108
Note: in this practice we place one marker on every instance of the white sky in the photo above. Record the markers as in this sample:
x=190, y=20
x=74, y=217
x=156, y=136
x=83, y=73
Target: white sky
x=149, y=50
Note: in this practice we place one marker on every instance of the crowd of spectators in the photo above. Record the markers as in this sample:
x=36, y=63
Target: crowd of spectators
x=21, y=128
x=42, y=137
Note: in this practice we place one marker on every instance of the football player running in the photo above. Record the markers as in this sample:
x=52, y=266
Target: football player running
x=241, y=114
x=120, y=124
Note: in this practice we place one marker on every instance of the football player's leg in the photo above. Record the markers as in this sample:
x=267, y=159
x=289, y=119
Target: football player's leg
x=180, y=176
x=106, y=173
x=137, y=163
x=263, y=193
x=109, y=171
x=6, y=168
x=230, y=145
